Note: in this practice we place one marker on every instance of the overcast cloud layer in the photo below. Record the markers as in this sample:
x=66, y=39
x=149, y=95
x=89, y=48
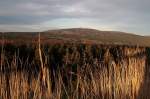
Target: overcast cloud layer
x=38, y=15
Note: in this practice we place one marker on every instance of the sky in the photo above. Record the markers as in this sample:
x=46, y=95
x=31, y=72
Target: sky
x=131, y=16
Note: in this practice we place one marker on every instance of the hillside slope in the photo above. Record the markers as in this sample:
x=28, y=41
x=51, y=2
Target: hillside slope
x=82, y=35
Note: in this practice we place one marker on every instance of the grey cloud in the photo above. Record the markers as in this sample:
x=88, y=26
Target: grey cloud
x=126, y=13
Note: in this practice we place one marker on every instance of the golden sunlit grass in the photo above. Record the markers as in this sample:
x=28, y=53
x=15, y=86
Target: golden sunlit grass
x=101, y=79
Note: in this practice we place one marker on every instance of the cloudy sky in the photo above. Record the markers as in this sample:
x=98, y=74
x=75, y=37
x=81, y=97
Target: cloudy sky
x=38, y=15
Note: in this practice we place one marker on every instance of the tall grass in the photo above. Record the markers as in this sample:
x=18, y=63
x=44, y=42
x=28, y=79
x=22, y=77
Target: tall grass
x=75, y=72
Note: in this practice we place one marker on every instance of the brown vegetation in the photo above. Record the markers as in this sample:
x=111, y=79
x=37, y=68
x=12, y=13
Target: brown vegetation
x=75, y=71
x=81, y=69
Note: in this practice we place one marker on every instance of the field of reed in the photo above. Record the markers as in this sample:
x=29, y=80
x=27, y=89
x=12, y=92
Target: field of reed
x=74, y=71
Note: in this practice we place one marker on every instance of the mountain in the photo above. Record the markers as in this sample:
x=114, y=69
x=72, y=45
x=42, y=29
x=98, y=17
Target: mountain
x=81, y=35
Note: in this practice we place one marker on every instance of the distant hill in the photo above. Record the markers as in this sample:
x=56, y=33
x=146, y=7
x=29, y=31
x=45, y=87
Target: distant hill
x=82, y=35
